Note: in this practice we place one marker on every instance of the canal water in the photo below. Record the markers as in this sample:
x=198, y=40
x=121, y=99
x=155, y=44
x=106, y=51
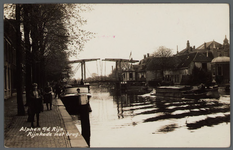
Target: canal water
x=131, y=121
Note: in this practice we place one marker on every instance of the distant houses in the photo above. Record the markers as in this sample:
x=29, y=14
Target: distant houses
x=205, y=64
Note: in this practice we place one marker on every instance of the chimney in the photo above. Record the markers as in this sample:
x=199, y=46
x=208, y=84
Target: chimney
x=148, y=55
x=193, y=47
x=188, y=46
x=144, y=56
x=205, y=45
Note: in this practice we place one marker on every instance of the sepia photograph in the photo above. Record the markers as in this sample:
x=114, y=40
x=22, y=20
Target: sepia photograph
x=116, y=75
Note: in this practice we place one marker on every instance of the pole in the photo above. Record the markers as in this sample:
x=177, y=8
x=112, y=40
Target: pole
x=116, y=70
x=84, y=64
x=81, y=70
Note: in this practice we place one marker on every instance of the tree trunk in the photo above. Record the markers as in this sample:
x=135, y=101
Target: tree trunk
x=26, y=23
x=19, y=68
x=35, y=46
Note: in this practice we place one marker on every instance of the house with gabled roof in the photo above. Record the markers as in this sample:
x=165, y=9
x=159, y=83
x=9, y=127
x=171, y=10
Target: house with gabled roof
x=136, y=73
x=179, y=68
x=209, y=48
x=212, y=52
x=183, y=67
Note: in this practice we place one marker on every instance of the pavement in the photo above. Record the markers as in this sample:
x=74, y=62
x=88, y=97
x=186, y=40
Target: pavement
x=57, y=129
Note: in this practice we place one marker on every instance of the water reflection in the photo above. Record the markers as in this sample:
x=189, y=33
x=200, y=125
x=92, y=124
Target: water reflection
x=119, y=101
x=114, y=115
x=187, y=108
x=168, y=109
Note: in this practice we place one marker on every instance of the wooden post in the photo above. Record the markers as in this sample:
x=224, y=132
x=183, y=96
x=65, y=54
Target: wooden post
x=81, y=70
x=84, y=68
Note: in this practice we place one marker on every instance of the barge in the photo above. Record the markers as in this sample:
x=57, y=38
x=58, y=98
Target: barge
x=76, y=98
x=188, y=92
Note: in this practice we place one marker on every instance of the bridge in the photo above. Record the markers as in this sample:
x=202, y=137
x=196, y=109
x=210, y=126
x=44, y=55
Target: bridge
x=82, y=62
x=119, y=63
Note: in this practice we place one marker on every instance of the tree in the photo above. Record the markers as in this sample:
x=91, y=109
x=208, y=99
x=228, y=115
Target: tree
x=51, y=34
x=20, y=105
x=162, y=51
x=165, y=61
x=51, y=28
x=55, y=35
x=27, y=46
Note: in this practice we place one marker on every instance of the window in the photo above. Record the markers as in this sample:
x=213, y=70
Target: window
x=176, y=78
x=131, y=75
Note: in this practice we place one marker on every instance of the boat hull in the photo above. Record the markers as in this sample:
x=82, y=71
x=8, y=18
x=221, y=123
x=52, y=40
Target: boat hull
x=72, y=104
x=178, y=92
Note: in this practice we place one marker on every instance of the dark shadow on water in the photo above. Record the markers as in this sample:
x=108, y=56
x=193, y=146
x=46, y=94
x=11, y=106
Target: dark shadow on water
x=208, y=122
x=168, y=128
x=146, y=107
x=162, y=108
x=191, y=113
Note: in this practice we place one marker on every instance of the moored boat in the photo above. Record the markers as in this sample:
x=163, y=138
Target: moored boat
x=178, y=92
x=75, y=98
x=201, y=93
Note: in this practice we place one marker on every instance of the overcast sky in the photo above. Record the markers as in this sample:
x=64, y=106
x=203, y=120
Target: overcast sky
x=142, y=28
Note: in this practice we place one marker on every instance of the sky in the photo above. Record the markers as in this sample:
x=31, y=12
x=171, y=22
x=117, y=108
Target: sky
x=139, y=29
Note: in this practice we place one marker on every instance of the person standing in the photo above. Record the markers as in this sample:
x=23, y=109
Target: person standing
x=48, y=96
x=57, y=90
x=35, y=104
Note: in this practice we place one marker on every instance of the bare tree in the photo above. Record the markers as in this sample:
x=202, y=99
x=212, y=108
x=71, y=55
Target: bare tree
x=163, y=51
x=51, y=34
x=163, y=55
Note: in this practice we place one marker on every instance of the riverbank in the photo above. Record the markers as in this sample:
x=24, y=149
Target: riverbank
x=56, y=128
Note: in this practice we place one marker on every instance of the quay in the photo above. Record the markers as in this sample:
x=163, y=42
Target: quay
x=56, y=130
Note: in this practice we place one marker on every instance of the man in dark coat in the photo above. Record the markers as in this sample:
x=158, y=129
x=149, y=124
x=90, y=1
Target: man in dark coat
x=35, y=104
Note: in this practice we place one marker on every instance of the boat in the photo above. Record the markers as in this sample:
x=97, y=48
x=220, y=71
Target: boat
x=201, y=93
x=75, y=98
x=189, y=92
x=169, y=92
x=194, y=95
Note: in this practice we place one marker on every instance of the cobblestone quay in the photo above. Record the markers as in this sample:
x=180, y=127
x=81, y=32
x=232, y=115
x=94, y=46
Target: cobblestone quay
x=54, y=131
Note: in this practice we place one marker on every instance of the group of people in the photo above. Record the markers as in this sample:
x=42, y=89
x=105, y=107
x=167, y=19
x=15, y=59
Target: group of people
x=36, y=99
